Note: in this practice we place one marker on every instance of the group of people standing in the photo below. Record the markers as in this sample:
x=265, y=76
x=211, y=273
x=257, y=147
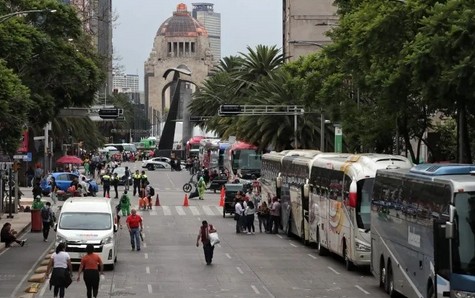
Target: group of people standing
x=245, y=210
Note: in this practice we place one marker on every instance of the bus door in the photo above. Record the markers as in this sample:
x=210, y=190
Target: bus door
x=305, y=212
x=441, y=259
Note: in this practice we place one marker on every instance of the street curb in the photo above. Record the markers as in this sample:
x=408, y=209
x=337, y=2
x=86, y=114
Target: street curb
x=2, y=245
x=38, y=278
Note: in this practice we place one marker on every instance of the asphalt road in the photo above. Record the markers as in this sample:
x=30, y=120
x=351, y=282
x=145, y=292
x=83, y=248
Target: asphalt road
x=170, y=265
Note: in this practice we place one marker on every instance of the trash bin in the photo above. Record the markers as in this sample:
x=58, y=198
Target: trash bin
x=36, y=221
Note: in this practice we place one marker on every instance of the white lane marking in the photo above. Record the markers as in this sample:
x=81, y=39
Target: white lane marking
x=145, y=255
x=255, y=290
x=220, y=209
x=171, y=181
x=228, y=256
x=179, y=210
x=279, y=236
x=166, y=210
x=268, y=292
x=312, y=256
x=194, y=210
x=149, y=286
x=147, y=269
x=293, y=245
x=207, y=210
x=336, y=272
x=148, y=227
x=144, y=244
x=239, y=270
x=153, y=213
x=362, y=290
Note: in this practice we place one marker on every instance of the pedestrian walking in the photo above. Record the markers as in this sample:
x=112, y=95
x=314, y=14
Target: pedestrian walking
x=203, y=235
x=125, y=204
x=117, y=212
x=54, y=190
x=47, y=216
x=92, y=266
x=127, y=178
x=136, y=177
x=201, y=188
x=135, y=225
x=106, y=184
x=115, y=183
x=61, y=269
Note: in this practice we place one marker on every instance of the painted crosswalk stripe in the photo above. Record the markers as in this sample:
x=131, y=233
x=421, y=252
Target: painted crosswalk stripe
x=194, y=210
x=180, y=210
x=220, y=209
x=207, y=210
x=166, y=210
x=153, y=213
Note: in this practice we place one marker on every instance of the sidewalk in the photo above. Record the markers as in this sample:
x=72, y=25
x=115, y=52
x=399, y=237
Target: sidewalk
x=21, y=221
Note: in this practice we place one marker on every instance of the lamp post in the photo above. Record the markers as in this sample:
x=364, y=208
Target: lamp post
x=6, y=17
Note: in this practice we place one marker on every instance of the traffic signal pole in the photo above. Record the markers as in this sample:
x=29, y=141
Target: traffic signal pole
x=256, y=110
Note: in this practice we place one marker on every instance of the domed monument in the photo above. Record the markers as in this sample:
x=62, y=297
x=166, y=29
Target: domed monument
x=181, y=43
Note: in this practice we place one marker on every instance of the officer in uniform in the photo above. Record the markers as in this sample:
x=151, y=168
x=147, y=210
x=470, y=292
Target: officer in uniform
x=143, y=181
x=115, y=183
x=106, y=184
x=137, y=179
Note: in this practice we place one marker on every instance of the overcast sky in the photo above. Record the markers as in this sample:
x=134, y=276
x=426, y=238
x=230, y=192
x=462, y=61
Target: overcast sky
x=243, y=23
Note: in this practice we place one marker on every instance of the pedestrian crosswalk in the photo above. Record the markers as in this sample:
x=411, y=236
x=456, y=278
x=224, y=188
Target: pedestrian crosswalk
x=183, y=211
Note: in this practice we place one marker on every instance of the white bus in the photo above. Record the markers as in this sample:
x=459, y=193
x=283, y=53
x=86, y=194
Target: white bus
x=123, y=146
x=339, y=203
x=423, y=231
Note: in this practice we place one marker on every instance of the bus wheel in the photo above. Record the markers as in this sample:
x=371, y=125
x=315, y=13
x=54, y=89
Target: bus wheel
x=382, y=275
x=390, y=281
x=321, y=250
x=348, y=264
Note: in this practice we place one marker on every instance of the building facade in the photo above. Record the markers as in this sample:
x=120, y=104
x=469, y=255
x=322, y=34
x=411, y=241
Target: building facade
x=305, y=24
x=205, y=14
x=125, y=83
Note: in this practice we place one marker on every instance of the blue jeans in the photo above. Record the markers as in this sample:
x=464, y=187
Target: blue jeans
x=135, y=238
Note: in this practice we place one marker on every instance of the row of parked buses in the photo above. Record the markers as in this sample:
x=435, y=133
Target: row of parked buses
x=415, y=226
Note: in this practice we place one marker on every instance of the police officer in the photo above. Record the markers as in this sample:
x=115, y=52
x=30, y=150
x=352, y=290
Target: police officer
x=137, y=179
x=115, y=183
x=106, y=184
x=143, y=180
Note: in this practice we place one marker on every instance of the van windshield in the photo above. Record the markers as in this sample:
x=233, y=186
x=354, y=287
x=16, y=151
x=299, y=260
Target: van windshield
x=85, y=221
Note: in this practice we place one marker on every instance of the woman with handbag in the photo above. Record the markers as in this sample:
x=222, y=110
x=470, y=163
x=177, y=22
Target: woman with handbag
x=61, y=267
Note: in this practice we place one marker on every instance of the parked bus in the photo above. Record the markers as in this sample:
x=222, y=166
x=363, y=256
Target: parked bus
x=339, y=203
x=243, y=161
x=123, y=147
x=193, y=147
x=209, y=153
x=423, y=231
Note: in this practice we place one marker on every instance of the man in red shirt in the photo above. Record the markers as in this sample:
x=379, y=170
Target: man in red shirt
x=134, y=223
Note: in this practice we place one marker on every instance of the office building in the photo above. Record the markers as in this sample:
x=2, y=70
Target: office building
x=305, y=24
x=125, y=83
x=205, y=14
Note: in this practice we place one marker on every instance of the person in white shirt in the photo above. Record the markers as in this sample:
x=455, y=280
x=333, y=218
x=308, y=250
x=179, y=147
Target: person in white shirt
x=61, y=267
x=239, y=208
x=249, y=213
x=84, y=186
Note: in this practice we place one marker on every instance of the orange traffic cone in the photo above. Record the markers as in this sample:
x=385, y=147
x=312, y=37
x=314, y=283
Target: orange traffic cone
x=157, y=200
x=221, y=197
x=185, y=201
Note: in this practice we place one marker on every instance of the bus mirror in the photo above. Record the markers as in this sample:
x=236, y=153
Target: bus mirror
x=449, y=230
x=278, y=181
x=353, y=196
x=306, y=190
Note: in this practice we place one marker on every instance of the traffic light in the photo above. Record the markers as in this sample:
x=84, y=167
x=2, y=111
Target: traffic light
x=112, y=113
x=16, y=166
x=229, y=110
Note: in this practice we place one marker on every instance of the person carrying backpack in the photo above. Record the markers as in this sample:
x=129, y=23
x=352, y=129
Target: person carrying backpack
x=47, y=217
x=150, y=191
x=125, y=204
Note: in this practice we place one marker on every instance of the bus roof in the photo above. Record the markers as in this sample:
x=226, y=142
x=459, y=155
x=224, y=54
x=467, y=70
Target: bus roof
x=242, y=146
x=443, y=169
x=195, y=140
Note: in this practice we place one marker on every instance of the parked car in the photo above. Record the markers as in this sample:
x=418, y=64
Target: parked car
x=152, y=160
x=156, y=165
x=63, y=181
x=121, y=174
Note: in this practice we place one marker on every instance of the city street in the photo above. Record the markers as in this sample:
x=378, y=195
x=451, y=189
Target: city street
x=170, y=264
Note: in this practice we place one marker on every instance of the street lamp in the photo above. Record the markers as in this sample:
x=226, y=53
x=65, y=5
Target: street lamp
x=6, y=17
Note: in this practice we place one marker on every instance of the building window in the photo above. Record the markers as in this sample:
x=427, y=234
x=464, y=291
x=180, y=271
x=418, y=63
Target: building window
x=170, y=51
x=187, y=48
x=181, y=49
x=192, y=47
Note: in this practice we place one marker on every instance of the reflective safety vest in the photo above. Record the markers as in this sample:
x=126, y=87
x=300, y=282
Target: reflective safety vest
x=106, y=180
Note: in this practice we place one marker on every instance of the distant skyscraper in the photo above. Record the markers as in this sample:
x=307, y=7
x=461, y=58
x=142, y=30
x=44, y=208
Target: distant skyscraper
x=125, y=83
x=204, y=13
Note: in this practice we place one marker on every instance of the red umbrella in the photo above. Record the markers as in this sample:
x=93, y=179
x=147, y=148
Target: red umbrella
x=69, y=159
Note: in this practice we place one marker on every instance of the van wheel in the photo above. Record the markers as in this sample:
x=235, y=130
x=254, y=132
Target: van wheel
x=430, y=291
x=111, y=266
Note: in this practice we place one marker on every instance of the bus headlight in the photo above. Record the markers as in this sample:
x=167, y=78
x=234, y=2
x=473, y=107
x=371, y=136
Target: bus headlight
x=360, y=246
x=462, y=294
x=107, y=240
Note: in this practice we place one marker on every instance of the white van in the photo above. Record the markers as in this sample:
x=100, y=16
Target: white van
x=88, y=220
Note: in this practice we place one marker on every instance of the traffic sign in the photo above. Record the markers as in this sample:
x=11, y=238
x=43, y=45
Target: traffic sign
x=109, y=113
x=229, y=110
x=20, y=157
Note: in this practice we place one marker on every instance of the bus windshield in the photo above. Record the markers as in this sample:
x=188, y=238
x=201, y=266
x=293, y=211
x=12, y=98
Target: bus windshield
x=247, y=160
x=363, y=207
x=464, y=247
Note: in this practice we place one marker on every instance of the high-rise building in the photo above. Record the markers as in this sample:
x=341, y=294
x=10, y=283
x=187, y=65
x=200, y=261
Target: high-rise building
x=204, y=13
x=125, y=83
x=305, y=24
